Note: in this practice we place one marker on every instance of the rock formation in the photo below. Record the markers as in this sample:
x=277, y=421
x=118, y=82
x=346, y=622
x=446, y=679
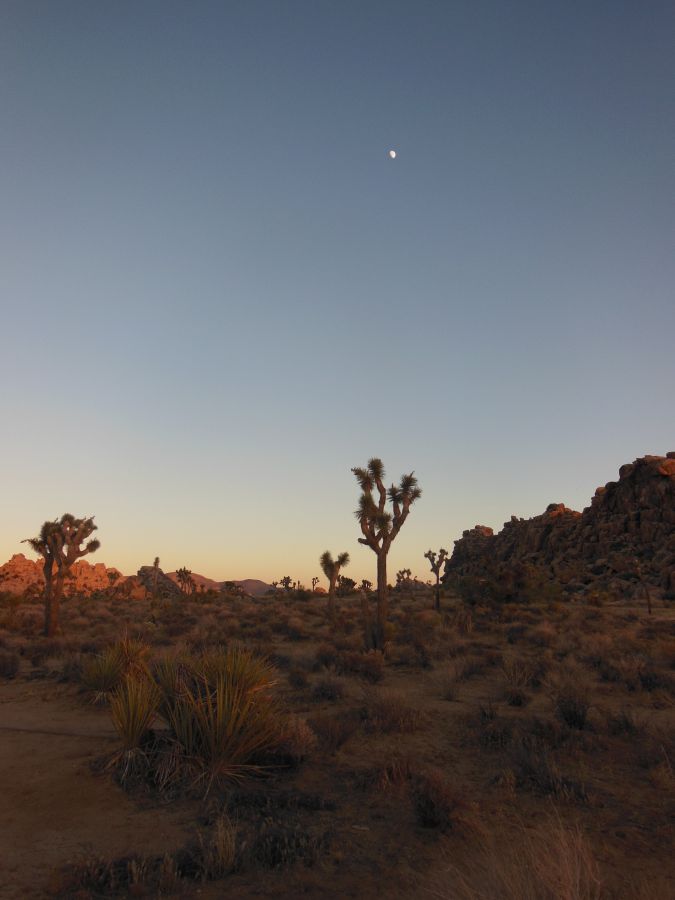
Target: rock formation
x=626, y=536
x=20, y=574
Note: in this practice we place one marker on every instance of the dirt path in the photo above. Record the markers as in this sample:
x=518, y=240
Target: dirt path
x=52, y=808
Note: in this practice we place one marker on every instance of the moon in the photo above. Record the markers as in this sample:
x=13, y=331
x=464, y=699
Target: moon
x=392, y=154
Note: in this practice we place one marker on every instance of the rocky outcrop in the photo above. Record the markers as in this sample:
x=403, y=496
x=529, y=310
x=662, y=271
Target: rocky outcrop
x=20, y=574
x=626, y=535
x=154, y=581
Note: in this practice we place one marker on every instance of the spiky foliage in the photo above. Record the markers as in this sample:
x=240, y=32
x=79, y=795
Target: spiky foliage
x=102, y=674
x=379, y=525
x=133, y=706
x=331, y=569
x=60, y=545
x=185, y=580
x=436, y=562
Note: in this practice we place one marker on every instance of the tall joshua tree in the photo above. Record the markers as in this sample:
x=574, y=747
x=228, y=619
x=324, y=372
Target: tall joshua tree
x=379, y=527
x=155, y=576
x=185, y=580
x=60, y=545
x=436, y=562
x=331, y=569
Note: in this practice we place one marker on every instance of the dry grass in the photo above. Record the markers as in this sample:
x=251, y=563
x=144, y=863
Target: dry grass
x=551, y=862
x=553, y=703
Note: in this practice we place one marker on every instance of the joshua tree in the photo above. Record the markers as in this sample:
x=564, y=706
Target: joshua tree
x=286, y=582
x=366, y=585
x=346, y=586
x=436, y=563
x=155, y=577
x=315, y=581
x=403, y=578
x=379, y=527
x=186, y=581
x=331, y=569
x=60, y=544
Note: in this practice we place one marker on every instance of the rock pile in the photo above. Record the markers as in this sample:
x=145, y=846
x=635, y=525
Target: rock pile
x=20, y=574
x=626, y=536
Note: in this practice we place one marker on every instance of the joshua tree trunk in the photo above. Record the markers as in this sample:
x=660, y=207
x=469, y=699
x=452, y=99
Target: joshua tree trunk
x=53, y=607
x=437, y=602
x=331, y=595
x=382, y=597
x=51, y=618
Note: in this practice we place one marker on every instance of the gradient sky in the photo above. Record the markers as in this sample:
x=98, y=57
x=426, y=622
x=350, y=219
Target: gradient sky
x=219, y=293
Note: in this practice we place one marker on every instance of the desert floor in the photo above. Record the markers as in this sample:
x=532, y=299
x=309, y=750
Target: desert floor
x=473, y=704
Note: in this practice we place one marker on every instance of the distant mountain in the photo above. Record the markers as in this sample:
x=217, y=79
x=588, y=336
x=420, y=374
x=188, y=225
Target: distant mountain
x=202, y=582
x=254, y=586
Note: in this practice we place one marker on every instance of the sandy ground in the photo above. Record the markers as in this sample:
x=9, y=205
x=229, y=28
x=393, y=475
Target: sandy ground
x=53, y=808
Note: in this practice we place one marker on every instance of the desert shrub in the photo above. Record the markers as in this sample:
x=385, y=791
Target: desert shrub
x=468, y=667
x=515, y=633
x=95, y=876
x=71, y=669
x=218, y=850
x=536, y=769
x=268, y=804
x=439, y=804
x=9, y=665
x=447, y=685
x=326, y=656
x=328, y=689
x=333, y=731
x=389, y=775
x=553, y=862
x=102, y=673
x=623, y=722
x=278, y=844
x=220, y=711
x=297, y=741
x=571, y=703
x=298, y=678
x=493, y=732
x=222, y=726
x=368, y=665
x=389, y=713
x=133, y=706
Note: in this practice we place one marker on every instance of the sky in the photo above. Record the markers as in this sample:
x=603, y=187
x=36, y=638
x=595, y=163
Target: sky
x=218, y=293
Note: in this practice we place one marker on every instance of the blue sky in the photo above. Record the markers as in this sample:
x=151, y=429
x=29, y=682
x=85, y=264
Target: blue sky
x=219, y=293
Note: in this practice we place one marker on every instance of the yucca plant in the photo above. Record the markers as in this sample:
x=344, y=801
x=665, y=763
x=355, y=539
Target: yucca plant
x=170, y=674
x=222, y=729
x=102, y=673
x=237, y=666
x=135, y=654
x=133, y=707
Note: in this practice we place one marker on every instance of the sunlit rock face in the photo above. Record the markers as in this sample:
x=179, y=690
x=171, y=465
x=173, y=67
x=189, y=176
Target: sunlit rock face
x=19, y=574
x=628, y=532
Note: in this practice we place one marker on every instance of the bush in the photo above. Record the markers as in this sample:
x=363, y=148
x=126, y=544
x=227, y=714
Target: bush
x=571, y=704
x=9, y=665
x=388, y=713
x=438, y=804
x=102, y=673
x=368, y=665
x=333, y=731
x=328, y=689
x=298, y=678
x=554, y=862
